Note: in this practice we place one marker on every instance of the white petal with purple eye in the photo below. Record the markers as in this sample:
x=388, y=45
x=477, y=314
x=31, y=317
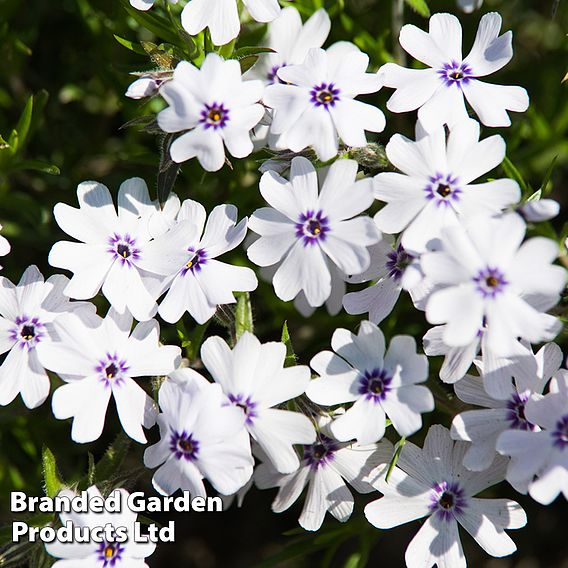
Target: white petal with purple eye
x=439, y=92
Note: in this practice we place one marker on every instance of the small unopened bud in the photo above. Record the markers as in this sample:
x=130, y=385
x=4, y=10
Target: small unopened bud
x=372, y=158
x=143, y=87
x=539, y=210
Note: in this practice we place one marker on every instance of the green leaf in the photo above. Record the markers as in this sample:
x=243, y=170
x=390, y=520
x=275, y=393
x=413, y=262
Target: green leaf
x=158, y=55
x=353, y=560
x=247, y=62
x=243, y=52
x=290, y=359
x=420, y=7
x=535, y=196
x=129, y=45
x=113, y=459
x=91, y=473
x=544, y=185
x=38, y=166
x=23, y=126
x=398, y=449
x=243, y=314
x=512, y=172
x=51, y=480
x=153, y=22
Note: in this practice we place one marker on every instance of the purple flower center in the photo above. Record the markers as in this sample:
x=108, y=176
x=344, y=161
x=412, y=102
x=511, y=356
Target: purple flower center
x=375, y=385
x=272, y=75
x=312, y=227
x=516, y=412
x=112, y=369
x=324, y=95
x=28, y=332
x=184, y=446
x=560, y=434
x=214, y=116
x=490, y=282
x=455, y=73
x=194, y=264
x=247, y=405
x=110, y=553
x=321, y=452
x=397, y=262
x=123, y=248
x=447, y=500
x=443, y=189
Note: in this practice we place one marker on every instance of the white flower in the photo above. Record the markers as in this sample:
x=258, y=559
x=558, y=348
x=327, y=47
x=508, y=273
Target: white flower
x=491, y=281
x=539, y=460
x=185, y=255
x=111, y=246
x=306, y=229
x=254, y=379
x=539, y=210
x=128, y=554
x=314, y=102
x=4, y=245
x=222, y=17
x=438, y=93
x=431, y=482
x=202, y=436
x=291, y=40
x=147, y=4
x=469, y=6
x=148, y=84
x=393, y=269
x=379, y=385
x=326, y=465
x=212, y=107
x=26, y=315
x=483, y=427
x=98, y=358
x=435, y=190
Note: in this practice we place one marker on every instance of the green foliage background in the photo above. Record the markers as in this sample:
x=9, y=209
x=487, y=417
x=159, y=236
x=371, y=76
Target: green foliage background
x=62, y=115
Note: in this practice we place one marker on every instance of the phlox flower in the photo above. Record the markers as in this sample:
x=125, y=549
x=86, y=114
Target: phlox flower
x=222, y=17
x=438, y=92
x=314, y=102
x=497, y=369
x=539, y=210
x=490, y=280
x=482, y=427
x=202, y=436
x=27, y=311
x=4, y=245
x=307, y=228
x=432, y=483
x=379, y=385
x=291, y=40
x=185, y=256
x=98, y=358
x=147, y=84
x=110, y=248
x=327, y=467
x=435, y=187
x=254, y=379
x=212, y=107
x=146, y=4
x=469, y=6
x=128, y=554
x=539, y=459
x=392, y=269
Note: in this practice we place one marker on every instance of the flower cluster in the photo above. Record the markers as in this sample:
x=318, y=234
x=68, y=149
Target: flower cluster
x=445, y=232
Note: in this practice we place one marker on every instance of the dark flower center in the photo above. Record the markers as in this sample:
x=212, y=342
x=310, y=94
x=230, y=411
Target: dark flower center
x=492, y=281
x=314, y=227
x=111, y=371
x=319, y=451
x=123, y=250
x=443, y=190
x=28, y=332
x=446, y=500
